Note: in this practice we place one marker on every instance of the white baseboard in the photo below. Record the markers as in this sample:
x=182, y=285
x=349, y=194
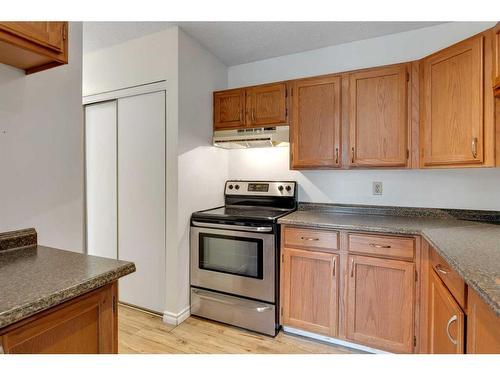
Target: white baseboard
x=176, y=319
x=331, y=340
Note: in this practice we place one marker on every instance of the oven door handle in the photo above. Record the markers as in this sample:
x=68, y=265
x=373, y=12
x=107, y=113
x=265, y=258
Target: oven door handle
x=265, y=229
x=218, y=300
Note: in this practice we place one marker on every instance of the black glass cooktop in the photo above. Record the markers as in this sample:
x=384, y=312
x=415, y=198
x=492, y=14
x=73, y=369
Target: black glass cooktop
x=242, y=213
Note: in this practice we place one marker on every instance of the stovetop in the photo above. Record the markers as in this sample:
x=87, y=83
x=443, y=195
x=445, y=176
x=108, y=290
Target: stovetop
x=243, y=213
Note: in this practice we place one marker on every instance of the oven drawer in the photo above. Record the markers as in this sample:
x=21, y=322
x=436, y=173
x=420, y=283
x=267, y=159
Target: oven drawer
x=311, y=238
x=244, y=313
x=383, y=246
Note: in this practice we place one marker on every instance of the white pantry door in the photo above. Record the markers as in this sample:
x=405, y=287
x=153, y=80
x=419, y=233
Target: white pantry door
x=100, y=174
x=141, y=198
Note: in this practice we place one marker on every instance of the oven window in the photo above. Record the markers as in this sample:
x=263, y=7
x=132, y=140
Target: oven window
x=234, y=255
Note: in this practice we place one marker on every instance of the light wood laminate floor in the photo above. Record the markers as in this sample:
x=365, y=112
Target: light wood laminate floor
x=141, y=332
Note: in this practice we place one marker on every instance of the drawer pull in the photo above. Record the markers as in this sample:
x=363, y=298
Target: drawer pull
x=452, y=319
x=440, y=269
x=380, y=246
x=309, y=238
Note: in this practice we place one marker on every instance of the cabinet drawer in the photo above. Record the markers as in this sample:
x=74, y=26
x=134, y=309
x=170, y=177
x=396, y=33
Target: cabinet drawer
x=312, y=238
x=385, y=246
x=450, y=278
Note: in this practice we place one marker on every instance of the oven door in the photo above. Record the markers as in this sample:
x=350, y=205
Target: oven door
x=234, y=261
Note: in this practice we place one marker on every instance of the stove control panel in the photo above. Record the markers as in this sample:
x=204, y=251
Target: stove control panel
x=261, y=188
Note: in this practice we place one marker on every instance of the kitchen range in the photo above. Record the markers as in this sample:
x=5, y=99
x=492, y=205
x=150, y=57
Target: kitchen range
x=235, y=252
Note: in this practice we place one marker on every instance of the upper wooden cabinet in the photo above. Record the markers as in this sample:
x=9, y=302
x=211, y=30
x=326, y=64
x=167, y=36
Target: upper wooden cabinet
x=483, y=327
x=257, y=106
x=315, y=133
x=34, y=46
x=266, y=105
x=446, y=320
x=378, y=120
x=453, y=107
x=309, y=290
x=380, y=303
x=496, y=60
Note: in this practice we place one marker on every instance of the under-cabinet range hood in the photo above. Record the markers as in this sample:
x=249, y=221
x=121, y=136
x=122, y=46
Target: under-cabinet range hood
x=247, y=138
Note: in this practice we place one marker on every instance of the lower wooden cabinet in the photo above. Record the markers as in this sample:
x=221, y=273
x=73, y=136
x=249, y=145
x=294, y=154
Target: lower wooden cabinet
x=84, y=325
x=380, y=303
x=309, y=287
x=483, y=327
x=446, y=325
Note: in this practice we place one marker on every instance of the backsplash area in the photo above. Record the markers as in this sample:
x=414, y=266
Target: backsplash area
x=443, y=188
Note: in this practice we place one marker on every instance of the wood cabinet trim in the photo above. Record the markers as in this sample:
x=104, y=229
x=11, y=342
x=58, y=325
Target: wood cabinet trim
x=483, y=327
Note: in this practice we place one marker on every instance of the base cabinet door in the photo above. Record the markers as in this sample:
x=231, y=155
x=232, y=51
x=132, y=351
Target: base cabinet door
x=446, y=320
x=380, y=303
x=86, y=325
x=483, y=327
x=310, y=291
x=315, y=130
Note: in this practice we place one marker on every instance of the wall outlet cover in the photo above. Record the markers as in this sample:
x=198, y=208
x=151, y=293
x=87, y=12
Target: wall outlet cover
x=377, y=188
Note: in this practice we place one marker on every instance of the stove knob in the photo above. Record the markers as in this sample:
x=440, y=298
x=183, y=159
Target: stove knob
x=288, y=188
x=230, y=187
x=236, y=187
x=280, y=188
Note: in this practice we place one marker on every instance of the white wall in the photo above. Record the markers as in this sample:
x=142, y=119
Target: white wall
x=202, y=167
x=41, y=150
x=459, y=188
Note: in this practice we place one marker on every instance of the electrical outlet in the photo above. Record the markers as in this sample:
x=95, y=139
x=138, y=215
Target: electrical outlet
x=377, y=188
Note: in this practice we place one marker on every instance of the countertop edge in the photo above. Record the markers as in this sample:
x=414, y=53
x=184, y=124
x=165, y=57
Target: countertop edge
x=46, y=302
x=494, y=305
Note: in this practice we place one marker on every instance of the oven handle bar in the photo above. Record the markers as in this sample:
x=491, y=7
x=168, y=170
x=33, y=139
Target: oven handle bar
x=233, y=227
x=214, y=299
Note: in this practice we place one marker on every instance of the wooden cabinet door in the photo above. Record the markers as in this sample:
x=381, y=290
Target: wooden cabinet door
x=452, y=105
x=380, y=303
x=483, y=327
x=446, y=320
x=315, y=135
x=310, y=291
x=229, y=109
x=496, y=60
x=266, y=105
x=378, y=121
x=86, y=325
x=50, y=35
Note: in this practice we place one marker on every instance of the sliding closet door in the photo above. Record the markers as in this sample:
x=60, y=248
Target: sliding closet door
x=100, y=174
x=141, y=198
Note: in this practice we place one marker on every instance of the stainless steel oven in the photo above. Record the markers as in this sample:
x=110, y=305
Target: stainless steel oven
x=234, y=255
x=234, y=259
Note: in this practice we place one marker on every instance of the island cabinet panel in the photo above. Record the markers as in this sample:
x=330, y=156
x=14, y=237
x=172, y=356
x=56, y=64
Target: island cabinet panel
x=315, y=135
x=266, y=105
x=380, y=303
x=85, y=325
x=446, y=324
x=229, y=109
x=378, y=120
x=483, y=327
x=33, y=46
x=310, y=291
x=452, y=105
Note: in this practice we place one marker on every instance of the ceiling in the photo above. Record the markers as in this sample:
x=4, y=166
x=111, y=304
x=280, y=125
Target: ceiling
x=241, y=42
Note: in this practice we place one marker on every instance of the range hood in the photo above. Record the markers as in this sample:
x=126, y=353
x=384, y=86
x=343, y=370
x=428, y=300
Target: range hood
x=247, y=138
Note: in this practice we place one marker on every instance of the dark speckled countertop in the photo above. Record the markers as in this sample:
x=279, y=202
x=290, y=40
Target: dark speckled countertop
x=34, y=278
x=471, y=248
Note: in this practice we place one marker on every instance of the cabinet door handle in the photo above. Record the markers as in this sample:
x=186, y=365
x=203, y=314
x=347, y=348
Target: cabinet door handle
x=352, y=267
x=309, y=238
x=474, y=147
x=334, y=266
x=440, y=269
x=380, y=246
x=352, y=155
x=452, y=319
x=1, y=346
x=336, y=155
